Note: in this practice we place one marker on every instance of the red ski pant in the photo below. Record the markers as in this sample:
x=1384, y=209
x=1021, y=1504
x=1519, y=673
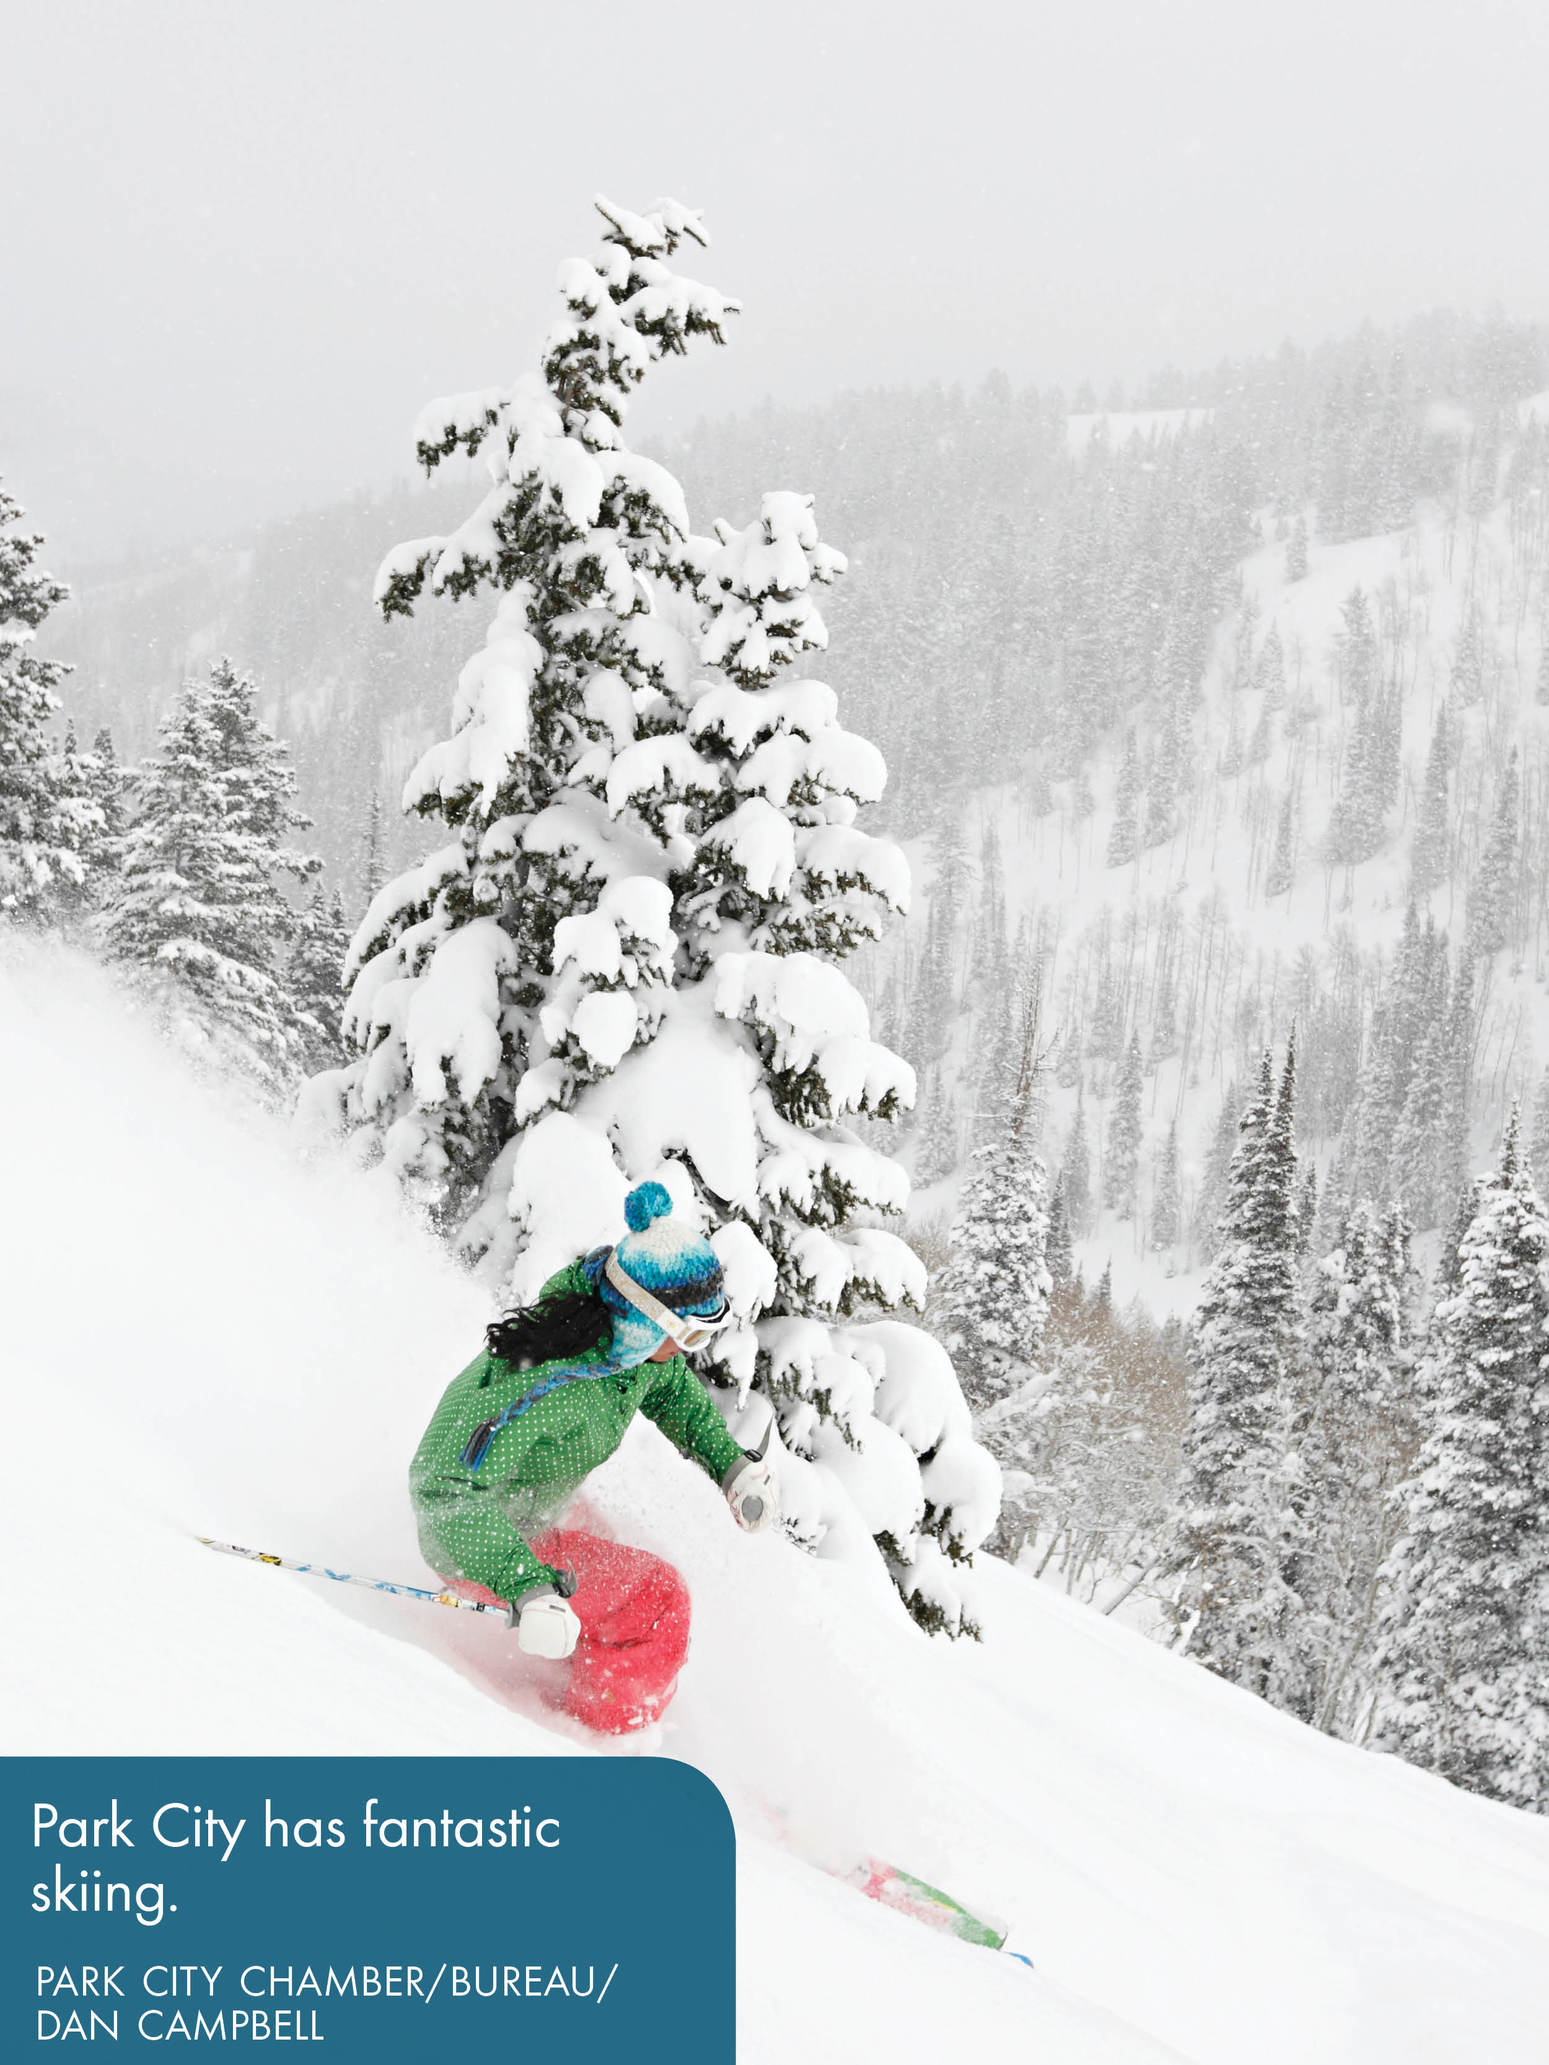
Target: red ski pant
x=634, y=1615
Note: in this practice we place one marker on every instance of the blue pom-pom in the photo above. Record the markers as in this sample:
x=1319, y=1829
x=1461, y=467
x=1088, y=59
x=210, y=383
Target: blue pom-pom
x=645, y=1203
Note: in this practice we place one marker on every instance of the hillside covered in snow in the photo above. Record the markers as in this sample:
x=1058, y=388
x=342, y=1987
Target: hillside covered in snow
x=1214, y=724
x=208, y=1334
x=1167, y=693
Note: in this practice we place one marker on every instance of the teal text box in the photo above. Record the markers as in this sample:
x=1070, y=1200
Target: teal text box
x=391, y=1908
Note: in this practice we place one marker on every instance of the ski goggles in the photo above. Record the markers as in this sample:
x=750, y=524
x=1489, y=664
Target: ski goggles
x=688, y=1329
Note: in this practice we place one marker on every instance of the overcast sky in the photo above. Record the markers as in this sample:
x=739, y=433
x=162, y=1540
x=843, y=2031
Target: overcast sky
x=243, y=243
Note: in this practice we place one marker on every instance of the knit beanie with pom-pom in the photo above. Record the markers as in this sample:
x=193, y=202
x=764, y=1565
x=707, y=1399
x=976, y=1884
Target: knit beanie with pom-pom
x=666, y=1257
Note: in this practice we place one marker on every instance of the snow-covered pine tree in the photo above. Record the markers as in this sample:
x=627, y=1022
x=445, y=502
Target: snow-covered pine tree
x=624, y=965
x=1307, y=1208
x=1448, y=1271
x=784, y=884
x=1167, y=776
x=1417, y=1176
x=1467, y=683
x=41, y=825
x=1356, y=648
x=373, y=868
x=1121, y=1163
x=1428, y=849
x=1215, y=1178
x=993, y=1299
x=1296, y=551
x=1269, y=671
x=316, y=979
x=1462, y=1033
x=1164, y=1012
x=1166, y=1199
x=1124, y=832
x=472, y=1011
x=1260, y=741
x=1492, y=893
x=1540, y=1134
x=1461, y=1659
x=1281, y=872
x=198, y=906
x=935, y=1135
x=1076, y=1173
x=90, y=814
x=1058, y=1254
x=1245, y=641
x=1354, y=1447
x=1230, y=762
x=1235, y=1534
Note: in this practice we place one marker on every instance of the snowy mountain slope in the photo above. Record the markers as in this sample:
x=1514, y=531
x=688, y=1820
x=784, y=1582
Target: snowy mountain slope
x=204, y=1334
x=1198, y=918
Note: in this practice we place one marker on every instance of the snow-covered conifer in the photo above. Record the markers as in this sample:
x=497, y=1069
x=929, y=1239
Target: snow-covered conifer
x=1355, y=1445
x=1356, y=648
x=1168, y=773
x=1215, y=1177
x=1269, y=671
x=1296, y=551
x=1307, y=1208
x=993, y=1299
x=1236, y=1534
x=90, y=811
x=936, y=1134
x=1428, y=849
x=1124, y=832
x=40, y=826
x=624, y=963
x=198, y=906
x=1417, y=1176
x=1462, y=1033
x=1230, y=762
x=1461, y=1661
x=1058, y=1253
x=1467, y=682
x=1282, y=865
x=1493, y=891
x=1260, y=741
x=1368, y=775
x=1121, y=1163
x=938, y=984
x=373, y=867
x=1076, y=1173
x=1166, y=1202
x=316, y=978
x=1539, y=1159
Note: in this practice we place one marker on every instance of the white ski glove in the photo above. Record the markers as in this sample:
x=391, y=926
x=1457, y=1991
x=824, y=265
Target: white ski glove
x=752, y=1489
x=546, y=1625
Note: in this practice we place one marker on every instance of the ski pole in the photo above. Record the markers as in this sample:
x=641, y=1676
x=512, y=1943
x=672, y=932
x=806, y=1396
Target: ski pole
x=372, y=1584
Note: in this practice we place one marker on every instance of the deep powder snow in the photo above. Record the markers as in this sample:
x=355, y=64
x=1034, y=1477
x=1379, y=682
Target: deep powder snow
x=206, y=1333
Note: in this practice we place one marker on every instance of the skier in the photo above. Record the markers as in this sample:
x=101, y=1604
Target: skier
x=546, y=1402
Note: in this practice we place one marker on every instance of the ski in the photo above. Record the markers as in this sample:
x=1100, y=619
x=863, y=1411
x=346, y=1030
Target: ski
x=905, y=1894
x=422, y=1593
x=900, y=1890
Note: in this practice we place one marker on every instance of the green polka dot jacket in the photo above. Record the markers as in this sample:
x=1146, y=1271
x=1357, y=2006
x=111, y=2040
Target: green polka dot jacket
x=473, y=1523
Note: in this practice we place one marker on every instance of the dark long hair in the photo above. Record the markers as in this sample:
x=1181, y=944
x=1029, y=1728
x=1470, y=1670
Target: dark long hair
x=566, y=1326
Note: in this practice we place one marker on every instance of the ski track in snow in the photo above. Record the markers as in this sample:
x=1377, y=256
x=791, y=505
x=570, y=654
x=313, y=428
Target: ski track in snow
x=208, y=1335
